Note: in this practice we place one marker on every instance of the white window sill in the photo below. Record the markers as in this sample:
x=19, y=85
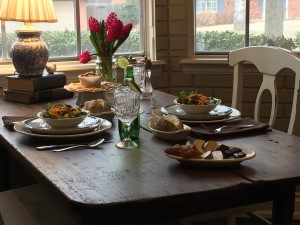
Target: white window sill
x=199, y=64
x=8, y=68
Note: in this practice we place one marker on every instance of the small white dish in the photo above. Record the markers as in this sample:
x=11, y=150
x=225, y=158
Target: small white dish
x=170, y=136
x=198, y=109
x=62, y=123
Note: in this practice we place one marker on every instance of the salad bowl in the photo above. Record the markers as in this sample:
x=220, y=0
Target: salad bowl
x=195, y=103
x=62, y=116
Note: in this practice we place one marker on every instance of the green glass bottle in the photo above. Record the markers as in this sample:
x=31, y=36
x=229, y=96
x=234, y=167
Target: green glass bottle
x=134, y=129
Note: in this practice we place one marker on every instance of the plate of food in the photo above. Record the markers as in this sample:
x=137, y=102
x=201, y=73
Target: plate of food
x=168, y=128
x=209, y=154
x=99, y=108
x=192, y=102
x=62, y=115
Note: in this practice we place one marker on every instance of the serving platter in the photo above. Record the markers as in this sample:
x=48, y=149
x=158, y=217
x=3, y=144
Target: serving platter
x=214, y=162
x=37, y=125
x=104, y=125
x=192, y=119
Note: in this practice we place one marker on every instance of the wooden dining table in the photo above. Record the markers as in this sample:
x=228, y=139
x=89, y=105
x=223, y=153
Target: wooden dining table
x=144, y=186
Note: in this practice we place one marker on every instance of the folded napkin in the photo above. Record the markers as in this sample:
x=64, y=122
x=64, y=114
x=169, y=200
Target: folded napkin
x=9, y=121
x=208, y=128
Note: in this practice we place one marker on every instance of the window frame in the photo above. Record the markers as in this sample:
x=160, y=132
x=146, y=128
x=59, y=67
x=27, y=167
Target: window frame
x=206, y=55
x=148, y=20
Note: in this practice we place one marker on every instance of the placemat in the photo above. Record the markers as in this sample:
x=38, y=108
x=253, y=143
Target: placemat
x=208, y=129
x=9, y=121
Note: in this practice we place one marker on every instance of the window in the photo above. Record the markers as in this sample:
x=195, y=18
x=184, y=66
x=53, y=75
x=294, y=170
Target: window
x=70, y=35
x=207, y=5
x=240, y=23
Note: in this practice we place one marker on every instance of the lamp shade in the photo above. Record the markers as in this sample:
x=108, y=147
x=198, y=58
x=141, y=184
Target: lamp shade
x=29, y=53
x=28, y=11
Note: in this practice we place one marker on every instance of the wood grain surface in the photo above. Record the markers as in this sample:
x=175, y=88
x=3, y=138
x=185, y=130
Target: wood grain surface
x=143, y=185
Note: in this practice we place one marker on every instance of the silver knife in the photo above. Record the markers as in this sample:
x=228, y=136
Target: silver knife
x=50, y=147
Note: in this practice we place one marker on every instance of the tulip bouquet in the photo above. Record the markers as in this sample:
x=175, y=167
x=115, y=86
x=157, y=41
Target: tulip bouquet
x=106, y=37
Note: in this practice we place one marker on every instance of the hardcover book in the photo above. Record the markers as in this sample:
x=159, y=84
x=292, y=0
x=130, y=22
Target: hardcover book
x=45, y=82
x=38, y=96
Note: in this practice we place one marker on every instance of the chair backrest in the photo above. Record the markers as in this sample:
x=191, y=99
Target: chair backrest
x=269, y=61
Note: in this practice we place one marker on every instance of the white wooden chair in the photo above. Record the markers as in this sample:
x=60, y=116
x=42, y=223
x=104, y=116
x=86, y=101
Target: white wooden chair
x=32, y=205
x=269, y=61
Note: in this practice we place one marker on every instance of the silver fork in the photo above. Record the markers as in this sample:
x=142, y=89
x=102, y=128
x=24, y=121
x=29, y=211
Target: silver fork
x=233, y=126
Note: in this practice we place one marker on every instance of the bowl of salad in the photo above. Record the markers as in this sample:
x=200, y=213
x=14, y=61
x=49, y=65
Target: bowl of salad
x=62, y=116
x=192, y=102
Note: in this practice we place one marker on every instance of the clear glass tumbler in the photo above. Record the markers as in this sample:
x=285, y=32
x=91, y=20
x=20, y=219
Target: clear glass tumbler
x=126, y=106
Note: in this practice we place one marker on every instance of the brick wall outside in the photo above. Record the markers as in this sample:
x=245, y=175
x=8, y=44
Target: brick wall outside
x=213, y=80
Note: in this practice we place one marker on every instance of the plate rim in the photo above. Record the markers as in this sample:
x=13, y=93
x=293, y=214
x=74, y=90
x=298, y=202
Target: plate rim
x=19, y=127
x=234, y=111
x=75, y=130
x=209, y=117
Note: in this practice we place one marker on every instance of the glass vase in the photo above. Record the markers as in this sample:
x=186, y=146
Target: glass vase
x=105, y=66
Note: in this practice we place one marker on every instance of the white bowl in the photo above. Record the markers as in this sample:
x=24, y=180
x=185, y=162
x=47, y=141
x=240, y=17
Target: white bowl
x=62, y=123
x=197, y=109
x=170, y=136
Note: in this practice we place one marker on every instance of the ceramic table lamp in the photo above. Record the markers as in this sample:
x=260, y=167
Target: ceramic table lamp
x=29, y=54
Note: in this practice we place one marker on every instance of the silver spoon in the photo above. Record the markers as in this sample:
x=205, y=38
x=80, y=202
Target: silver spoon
x=93, y=144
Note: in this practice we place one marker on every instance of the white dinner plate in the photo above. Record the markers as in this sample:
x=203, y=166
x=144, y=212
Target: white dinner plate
x=220, y=112
x=37, y=125
x=214, y=162
x=233, y=115
x=19, y=127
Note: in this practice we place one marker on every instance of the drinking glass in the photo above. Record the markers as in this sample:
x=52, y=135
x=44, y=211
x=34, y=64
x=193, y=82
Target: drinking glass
x=127, y=106
x=139, y=73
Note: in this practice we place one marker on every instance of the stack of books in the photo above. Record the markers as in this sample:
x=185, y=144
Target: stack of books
x=37, y=89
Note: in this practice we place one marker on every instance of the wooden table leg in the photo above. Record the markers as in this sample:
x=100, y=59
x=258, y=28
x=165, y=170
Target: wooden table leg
x=283, y=206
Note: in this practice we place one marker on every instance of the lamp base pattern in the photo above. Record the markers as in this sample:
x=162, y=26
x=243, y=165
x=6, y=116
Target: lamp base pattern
x=29, y=54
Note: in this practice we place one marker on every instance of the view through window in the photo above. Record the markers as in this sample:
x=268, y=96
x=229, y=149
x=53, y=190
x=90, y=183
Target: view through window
x=269, y=22
x=61, y=37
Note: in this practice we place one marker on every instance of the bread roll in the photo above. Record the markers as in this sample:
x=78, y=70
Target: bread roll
x=97, y=106
x=168, y=123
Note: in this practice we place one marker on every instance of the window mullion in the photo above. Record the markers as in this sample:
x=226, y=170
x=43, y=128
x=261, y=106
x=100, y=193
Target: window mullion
x=4, y=46
x=78, y=30
x=247, y=20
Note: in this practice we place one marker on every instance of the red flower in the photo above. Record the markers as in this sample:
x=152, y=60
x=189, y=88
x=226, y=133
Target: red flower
x=126, y=30
x=111, y=18
x=85, y=57
x=114, y=31
x=94, y=24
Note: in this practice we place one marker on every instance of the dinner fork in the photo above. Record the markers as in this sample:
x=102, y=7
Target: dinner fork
x=219, y=129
